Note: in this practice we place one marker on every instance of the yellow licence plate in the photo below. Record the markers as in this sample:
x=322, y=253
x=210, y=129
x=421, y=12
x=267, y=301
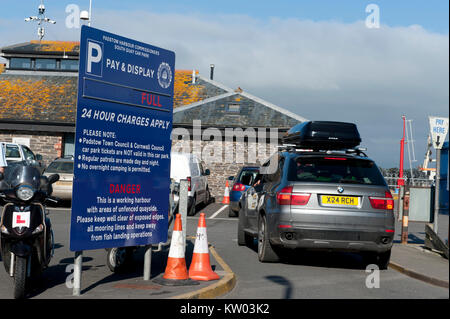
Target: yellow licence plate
x=340, y=200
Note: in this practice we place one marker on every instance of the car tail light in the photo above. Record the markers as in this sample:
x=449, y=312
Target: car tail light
x=300, y=199
x=284, y=196
x=239, y=187
x=386, y=203
x=189, y=183
x=287, y=197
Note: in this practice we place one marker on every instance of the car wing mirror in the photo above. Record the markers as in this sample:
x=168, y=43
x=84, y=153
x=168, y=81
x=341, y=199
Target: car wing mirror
x=53, y=178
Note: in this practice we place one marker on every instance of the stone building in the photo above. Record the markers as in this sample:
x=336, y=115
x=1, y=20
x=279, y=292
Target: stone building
x=227, y=128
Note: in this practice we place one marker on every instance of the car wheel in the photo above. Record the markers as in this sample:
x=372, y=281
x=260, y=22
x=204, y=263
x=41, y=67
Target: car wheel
x=266, y=253
x=191, y=211
x=243, y=238
x=231, y=213
x=207, y=197
x=383, y=260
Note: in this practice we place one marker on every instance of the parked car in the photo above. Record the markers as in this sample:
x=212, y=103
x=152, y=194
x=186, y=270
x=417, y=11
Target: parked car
x=319, y=199
x=20, y=153
x=240, y=183
x=188, y=166
x=64, y=167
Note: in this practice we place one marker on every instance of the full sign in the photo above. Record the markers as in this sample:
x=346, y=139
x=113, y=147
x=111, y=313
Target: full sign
x=438, y=129
x=122, y=143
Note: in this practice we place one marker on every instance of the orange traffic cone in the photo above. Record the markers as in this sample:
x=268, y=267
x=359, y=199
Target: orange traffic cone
x=200, y=268
x=226, y=195
x=176, y=263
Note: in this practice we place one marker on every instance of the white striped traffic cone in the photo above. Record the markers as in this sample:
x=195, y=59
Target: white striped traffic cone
x=226, y=195
x=200, y=268
x=176, y=263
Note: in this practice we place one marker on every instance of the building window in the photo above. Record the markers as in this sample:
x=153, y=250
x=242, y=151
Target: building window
x=20, y=63
x=69, y=65
x=46, y=64
x=234, y=108
x=69, y=144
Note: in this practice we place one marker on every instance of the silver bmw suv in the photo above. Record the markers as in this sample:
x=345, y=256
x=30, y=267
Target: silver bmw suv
x=331, y=200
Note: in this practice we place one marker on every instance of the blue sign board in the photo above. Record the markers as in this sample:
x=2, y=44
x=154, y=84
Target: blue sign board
x=122, y=143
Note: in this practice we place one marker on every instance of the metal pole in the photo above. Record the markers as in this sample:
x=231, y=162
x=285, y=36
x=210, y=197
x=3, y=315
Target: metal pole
x=147, y=262
x=405, y=216
x=183, y=207
x=400, y=203
x=436, y=192
x=90, y=12
x=78, y=264
x=401, y=181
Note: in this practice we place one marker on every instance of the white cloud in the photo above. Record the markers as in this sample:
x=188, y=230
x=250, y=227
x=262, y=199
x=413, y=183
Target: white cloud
x=319, y=70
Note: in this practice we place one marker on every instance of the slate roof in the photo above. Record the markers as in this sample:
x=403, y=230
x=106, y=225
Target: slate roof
x=185, y=92
x=53, y=98
x=253, y=111
x=43, y=47
x=38, y=98
x=50, y=97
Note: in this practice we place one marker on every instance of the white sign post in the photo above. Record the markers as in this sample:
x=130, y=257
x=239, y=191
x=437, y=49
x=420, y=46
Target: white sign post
x=438, y=129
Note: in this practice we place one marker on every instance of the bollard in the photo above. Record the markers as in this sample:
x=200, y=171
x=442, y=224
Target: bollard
x=405, y=215
x=183, y=207
x=147, y=262
x=78, y=264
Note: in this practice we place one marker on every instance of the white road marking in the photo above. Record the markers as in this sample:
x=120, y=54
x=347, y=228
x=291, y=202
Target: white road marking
x=218, y=212
x=217, y=218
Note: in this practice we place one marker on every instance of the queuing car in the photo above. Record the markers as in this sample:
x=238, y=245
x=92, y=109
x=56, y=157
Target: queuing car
x=188, y=166
x=21, y=153
x=330, y=197
x=64, y=167
x=240, y=183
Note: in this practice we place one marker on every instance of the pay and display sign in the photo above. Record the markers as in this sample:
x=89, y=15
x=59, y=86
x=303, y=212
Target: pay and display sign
x=438, y=129
x=122, y=143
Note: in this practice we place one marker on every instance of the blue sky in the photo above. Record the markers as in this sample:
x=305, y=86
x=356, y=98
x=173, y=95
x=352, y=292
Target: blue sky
x=431, y=14
x=317, y=59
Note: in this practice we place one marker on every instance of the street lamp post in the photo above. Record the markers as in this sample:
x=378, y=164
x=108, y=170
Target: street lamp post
x=87, y=16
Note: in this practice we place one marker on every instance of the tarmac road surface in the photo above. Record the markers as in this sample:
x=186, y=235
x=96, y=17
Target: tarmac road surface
x=308, y=275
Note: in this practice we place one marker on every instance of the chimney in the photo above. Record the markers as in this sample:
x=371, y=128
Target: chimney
x=193, y=76
x=211, y=75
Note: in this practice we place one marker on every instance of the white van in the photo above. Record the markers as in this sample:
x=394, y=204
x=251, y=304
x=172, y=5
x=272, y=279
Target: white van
x=188, y=166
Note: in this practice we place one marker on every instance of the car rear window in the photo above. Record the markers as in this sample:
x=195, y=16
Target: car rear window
x=12, y=151
x=60, y=167
x=247, y=177
x=334, y=169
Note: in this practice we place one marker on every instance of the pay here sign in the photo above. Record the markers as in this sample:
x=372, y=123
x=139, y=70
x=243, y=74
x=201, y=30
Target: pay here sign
x=122, y=143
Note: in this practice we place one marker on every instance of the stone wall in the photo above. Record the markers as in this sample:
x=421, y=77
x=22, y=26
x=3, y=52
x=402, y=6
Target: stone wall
x=49, y=145
x=222, y=158
x=225, y=159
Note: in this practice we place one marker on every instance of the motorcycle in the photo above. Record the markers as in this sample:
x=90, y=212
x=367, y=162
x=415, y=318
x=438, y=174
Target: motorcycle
x=25, y=230
x=119, y=258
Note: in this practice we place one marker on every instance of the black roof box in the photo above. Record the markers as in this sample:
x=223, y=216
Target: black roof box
x=323, y=135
